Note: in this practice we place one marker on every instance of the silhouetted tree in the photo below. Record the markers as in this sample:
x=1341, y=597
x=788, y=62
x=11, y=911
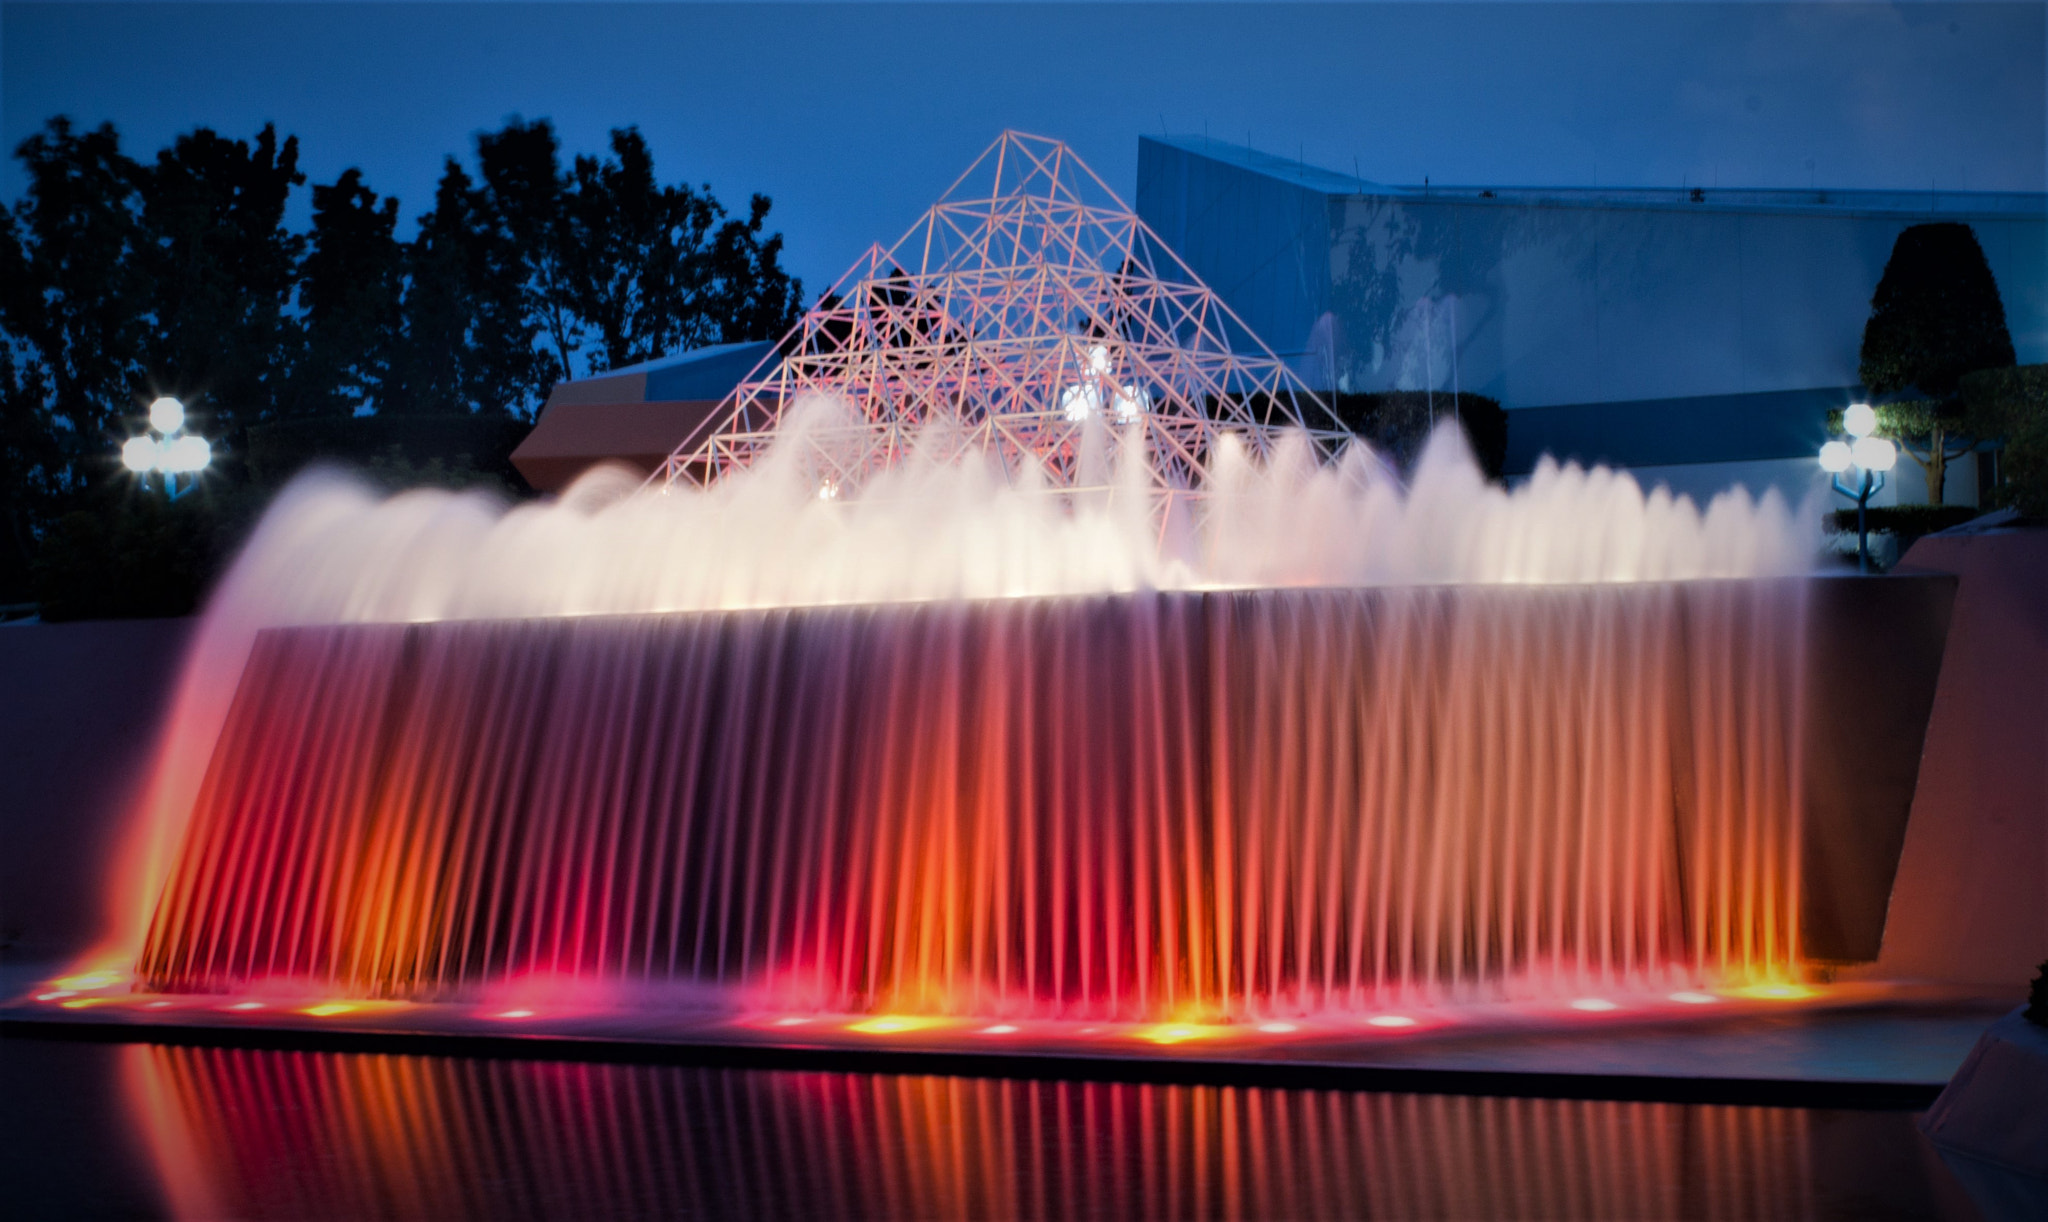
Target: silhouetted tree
x=71, y=292
x=654, y=269
x=1936, y=316
x=350, y=290
x=121, y=280
x=222, y=270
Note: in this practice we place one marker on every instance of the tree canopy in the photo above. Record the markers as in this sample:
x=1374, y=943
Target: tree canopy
x=123, y=279
x=1936, y=314
x=1935, y=317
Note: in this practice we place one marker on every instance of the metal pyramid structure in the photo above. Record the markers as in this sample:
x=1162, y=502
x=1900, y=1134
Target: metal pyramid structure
x=1029, y=314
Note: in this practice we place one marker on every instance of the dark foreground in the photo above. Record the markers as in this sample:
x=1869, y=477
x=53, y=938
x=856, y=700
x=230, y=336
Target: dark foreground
x=98, y=1130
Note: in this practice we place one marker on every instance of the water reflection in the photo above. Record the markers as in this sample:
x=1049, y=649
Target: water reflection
x=256, y=1134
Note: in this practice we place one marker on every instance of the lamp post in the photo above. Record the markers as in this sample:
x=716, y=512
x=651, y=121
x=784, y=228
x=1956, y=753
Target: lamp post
x=1872, y=457
x=167, y=449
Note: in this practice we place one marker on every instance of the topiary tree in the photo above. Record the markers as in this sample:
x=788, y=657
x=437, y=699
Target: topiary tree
x=1936, y=316
x=2012, y=406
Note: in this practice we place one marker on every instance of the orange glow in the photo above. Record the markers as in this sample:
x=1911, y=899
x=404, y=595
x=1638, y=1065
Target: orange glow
x=1594, y=1005
x=1390, y=1021
x=82, y=1002
x=85, y=982
x=1775, y=992
x=331, y=1008
x=1178, y=1033
x=890, y=1024
x=1005, y=857
x=58, y=995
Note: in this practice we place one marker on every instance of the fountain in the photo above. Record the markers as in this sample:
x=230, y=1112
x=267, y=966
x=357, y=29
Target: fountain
x=1017, y=651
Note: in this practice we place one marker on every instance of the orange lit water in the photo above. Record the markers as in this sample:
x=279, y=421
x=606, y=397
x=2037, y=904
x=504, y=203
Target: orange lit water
x=1156, y=807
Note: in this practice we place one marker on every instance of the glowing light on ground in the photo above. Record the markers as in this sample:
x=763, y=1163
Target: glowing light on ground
x=1278, y=1028
x=1390, y=1022
x=81, y=1003
x=892, y=1024
x=1179, y=1033
x=1775, y=992
x=513, y=1014
x=244, y=1005
x=1694, y=999
x=59, y=995
x=86, y=982
x=331, y=1008
x=1594, y=1005
x=999, y=1029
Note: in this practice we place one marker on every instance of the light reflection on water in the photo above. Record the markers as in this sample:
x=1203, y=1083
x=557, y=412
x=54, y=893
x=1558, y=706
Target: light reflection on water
x=261, y=1134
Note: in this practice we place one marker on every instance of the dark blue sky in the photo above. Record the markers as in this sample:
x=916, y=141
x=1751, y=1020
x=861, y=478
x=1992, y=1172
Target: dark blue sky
x=853, y=117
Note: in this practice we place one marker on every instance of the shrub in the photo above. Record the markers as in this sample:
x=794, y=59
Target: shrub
x=2012, y=405
x=1906, y=522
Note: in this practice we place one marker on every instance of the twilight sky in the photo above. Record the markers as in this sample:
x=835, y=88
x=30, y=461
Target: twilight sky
x=855, y=116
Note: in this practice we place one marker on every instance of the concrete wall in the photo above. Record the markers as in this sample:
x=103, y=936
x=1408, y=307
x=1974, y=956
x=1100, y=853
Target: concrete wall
x=1547, y=296
x=1970, y=905
x=79, y=710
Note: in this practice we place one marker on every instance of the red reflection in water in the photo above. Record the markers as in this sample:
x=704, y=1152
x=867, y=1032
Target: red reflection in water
x=242, y=1133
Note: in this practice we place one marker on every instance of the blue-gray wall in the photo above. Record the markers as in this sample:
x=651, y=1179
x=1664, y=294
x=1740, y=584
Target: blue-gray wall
x=1560, y=297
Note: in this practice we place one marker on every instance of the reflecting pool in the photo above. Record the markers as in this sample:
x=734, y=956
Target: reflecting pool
x=203, y=1133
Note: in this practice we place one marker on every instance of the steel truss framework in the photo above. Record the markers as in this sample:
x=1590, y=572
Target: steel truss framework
x=1033, y=316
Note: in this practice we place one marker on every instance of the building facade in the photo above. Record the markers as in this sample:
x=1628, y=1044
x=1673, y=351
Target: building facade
x=1697, y=335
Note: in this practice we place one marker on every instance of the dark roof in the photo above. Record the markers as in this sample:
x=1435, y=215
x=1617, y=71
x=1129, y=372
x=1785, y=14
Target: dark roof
x=1742, y=199
x=701, y=373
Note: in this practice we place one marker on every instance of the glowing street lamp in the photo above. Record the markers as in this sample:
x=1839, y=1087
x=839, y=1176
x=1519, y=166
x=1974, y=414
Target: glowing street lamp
x=167, y=449
x=1871, y=457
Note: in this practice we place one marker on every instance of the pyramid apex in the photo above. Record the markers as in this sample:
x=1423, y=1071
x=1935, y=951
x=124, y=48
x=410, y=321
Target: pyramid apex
x=1032, y=313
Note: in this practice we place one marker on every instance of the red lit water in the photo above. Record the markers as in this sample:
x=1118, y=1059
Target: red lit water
x=1162, y=805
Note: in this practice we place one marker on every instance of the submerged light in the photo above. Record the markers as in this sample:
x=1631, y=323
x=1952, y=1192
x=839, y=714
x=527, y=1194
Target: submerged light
x=1692, y=998
x=889, y=1024
x=1594, y=1005
x=1775, y=992
x=87, y=981
x=1176, y=1033
x=1390, y=1021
